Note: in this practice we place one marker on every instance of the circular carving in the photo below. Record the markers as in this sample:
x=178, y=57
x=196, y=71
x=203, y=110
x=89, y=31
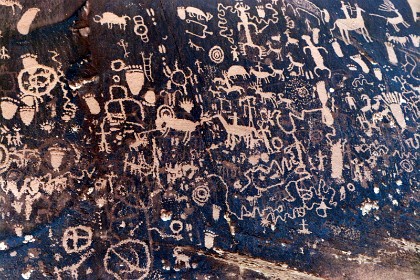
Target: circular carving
x=176, y=226
x=217, y=54
x=129, y=259
x=201, y=195
x=36, y=79
x=165, y=111
x=407, y=165
x=77, y=239
x=277, y=143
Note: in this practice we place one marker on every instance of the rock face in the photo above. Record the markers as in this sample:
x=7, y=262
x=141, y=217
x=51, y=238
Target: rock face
x=269, y=139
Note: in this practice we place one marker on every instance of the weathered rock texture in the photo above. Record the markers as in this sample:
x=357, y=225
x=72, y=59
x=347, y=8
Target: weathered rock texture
x=269, y=139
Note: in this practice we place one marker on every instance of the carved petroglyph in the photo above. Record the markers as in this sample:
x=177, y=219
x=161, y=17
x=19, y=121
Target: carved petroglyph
x=352, y=24
x=77, y=239
x=26, y=20
x=201, y=127
x=387, y=6
x=12, y=4
x=110, y=19
x=128, y=259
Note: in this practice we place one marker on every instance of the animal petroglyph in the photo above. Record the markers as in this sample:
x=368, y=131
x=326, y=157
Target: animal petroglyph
x=213, y=139
x=111, y=19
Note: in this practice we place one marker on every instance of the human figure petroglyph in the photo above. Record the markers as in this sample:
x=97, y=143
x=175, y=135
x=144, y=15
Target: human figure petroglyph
x=265, y=134
x=350, y=101
x=238, y=114
x=25, y=193
x=198, y=64
x=235, y=53
x=4, y=53
x=122, y=43
x=345, y=8
x=246, y=24
x=248, y=104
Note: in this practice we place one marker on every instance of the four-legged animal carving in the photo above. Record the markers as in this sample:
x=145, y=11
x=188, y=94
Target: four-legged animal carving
x=352, y=24
x=294, y=64
x=110, y=19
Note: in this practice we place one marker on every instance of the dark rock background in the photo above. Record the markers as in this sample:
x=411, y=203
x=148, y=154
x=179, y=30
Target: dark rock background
x=142, y=199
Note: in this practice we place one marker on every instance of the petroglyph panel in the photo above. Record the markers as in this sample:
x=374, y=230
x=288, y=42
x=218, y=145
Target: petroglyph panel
x=228, y=139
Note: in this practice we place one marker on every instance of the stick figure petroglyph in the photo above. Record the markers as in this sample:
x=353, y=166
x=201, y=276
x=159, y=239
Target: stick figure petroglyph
x=122, y=43
x=4, y=53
